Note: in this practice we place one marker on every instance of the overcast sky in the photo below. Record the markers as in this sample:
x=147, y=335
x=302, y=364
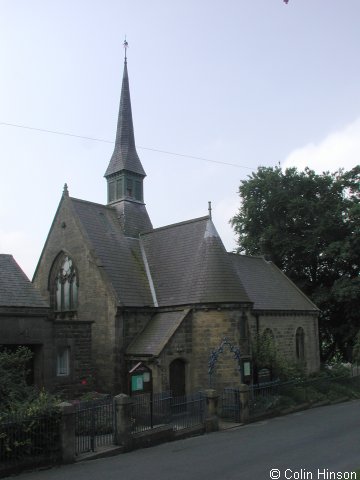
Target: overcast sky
x=246, y=82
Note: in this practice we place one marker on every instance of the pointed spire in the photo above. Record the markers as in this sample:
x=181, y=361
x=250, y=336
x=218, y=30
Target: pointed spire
x=125, y=156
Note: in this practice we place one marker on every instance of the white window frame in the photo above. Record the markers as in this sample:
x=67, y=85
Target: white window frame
x=63, y=362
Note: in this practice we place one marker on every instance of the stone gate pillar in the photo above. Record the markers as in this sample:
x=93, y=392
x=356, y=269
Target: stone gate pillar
x=244, y=391
x=212, y=418
x=67, y=432
x=123, y=407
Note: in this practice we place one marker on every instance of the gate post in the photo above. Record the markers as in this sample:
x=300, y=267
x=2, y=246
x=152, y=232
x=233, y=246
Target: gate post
x=244, y=391
x=212, y=419
x=123, y=404
x=67, y=432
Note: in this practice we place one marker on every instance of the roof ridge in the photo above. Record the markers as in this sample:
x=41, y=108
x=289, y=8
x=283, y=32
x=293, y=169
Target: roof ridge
x=178, y=224
x=294, y=285
x=90, y=202
x=260, y=257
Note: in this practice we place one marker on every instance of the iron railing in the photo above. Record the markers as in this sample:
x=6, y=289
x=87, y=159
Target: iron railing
x=151, y=411
x=29, y=440
x=272, y=396
x=188, y=411
x=94, y=424
x=229, y=405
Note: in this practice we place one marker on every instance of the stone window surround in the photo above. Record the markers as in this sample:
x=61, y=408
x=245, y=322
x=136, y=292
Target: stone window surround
x=53, y=284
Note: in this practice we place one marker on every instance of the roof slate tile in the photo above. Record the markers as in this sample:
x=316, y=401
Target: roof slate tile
x=189, y=265
x=268, y=287
x=16, y=290
x=157, y=333
x=120, y=256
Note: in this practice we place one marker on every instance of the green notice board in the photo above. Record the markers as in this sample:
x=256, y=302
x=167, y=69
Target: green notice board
x=137, y=383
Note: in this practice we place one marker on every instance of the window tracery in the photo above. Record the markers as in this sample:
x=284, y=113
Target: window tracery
x=66, y=286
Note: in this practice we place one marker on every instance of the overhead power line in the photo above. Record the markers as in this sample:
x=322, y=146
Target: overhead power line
x=67, y=134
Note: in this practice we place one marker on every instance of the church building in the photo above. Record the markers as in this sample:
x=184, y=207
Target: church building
x=162, y=300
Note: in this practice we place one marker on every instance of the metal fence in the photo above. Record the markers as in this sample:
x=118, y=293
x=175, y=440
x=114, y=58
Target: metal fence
x=272, y=396
x=263, y=397
x=94, y=424
x=229, y=405
x=29, y=440
x=188, y=411
x=150, y=411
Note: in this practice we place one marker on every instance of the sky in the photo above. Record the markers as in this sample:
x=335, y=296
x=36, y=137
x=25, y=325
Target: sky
x=244, y=82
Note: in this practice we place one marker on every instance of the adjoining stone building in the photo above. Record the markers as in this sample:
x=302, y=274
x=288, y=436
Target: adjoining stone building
x=24, y=319
x=161, y=298
x=27, y=320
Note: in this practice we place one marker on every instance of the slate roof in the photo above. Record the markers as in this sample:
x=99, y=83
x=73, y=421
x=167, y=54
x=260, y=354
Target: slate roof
x=189, y=265
x=16, y=290
x=157, y=333
x=125, y=156
x=119, y=256
x=268, y=287
x=134, y=218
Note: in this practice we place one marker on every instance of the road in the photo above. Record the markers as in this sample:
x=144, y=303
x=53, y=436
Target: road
x=306, y=445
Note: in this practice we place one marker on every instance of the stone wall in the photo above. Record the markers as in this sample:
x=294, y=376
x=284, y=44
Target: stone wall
x=210, y=326
x=134, y=321
x=284, y=328
x=201, y=332
x=31, y=328
x=95, y=303
x=77, y=336
x=180, y=346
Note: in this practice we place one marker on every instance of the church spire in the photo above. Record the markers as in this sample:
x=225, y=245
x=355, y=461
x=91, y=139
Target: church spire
x=125, y=174
x=125, y=156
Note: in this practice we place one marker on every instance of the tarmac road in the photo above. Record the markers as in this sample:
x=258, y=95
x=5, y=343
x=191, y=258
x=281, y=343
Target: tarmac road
x=308, y=445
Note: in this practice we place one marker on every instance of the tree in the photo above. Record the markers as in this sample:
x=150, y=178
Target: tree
x=309, y=225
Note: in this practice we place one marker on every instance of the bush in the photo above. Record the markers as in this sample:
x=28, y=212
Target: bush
x=24, y=436
x=29, y=417
x=13, y=374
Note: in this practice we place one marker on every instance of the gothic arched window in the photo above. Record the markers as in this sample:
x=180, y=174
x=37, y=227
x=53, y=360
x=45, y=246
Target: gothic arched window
x=300, y=344
x=66, y=286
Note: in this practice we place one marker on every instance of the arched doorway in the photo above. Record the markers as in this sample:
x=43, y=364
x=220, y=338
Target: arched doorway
x=177, y=377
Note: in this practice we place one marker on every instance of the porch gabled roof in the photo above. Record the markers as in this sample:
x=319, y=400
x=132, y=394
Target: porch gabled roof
x=157, y=333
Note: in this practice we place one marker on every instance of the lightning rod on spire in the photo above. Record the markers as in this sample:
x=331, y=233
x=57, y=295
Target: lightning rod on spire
x=126, y=45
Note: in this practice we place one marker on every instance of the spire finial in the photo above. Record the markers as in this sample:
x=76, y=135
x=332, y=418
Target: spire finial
x=66, y=190
x=126, y=45
x=210, y=210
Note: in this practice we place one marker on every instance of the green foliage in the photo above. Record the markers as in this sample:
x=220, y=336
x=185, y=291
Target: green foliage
x=16, y=396
x=30, y=436
x=264, y=351
x=356, y=349
x=266, y=355
x=309, y=225
x=13, y=374
x=328, y=386
x=29, y=418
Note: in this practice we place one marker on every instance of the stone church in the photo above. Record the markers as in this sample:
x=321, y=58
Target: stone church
x=157, y=302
